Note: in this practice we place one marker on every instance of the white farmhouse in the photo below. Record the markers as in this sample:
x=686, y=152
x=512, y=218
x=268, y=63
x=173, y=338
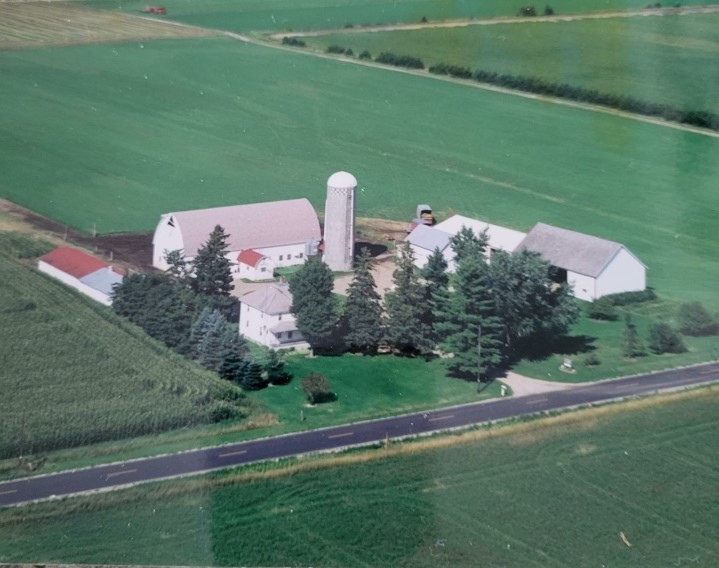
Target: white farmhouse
x=265, y=317
x=284, y=232
x=81, y=271
x=595, y=267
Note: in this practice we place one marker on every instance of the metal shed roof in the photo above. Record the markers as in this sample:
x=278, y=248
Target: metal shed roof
x=429, y=238
x=500, y=238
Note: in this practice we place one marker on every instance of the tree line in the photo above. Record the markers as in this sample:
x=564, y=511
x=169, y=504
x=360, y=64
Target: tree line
x=190, y=309
x=484, y=313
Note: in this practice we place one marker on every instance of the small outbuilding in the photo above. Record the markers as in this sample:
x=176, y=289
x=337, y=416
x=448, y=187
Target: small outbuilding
x=81, y=271
x=284, y=232
x=252, y=265
x=595, y=267
x=265, y=317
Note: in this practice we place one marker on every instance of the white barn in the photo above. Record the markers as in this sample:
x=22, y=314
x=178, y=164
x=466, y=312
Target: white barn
x=265, y=317
x=424, y=239
x=82, y=271
x=284, y=232
x=594, y=267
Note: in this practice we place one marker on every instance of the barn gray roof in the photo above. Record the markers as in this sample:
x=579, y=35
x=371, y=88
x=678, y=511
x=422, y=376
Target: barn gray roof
x=102, y=280
x=251, y=226
x=272, y=299
x=570, y=250
x=429, y=238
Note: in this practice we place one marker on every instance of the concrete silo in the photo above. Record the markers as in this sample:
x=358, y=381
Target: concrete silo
x=339, y=230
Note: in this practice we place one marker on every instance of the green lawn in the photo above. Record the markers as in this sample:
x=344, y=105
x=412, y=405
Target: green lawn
x=604, y=339
x=658, y=59
x=322, y=14
x=560, y=492
x=73, y=373
x=369, y=387
x=115, y=135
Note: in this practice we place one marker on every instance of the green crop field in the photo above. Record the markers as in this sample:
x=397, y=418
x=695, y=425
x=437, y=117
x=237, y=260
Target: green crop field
x=249, y=15
x=663, y=59
x=561, y=492
x=115, y=135
x=73, y=373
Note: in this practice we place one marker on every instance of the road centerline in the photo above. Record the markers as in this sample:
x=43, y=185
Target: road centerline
x=230, y=454
x=123, y=472
x=436, y=418
x=343, y=435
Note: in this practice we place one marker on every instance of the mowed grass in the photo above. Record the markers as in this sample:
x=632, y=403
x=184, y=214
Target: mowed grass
x=556, y=492
x=116, y=135
x=662, y=59
x=73, y=373
x=290, y=15
x=368, y=387
x=605, y=339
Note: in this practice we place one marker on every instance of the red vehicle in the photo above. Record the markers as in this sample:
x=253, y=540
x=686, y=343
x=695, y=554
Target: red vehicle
x=160, y=10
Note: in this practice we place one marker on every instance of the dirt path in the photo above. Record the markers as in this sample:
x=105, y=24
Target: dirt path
x=508, y=20
x=523, y=386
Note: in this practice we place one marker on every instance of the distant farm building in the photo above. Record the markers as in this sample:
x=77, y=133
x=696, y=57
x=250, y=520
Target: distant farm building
x=595, y=267
x=424, y=239
x=282, y=232
x=81, y=271
x=265, y=317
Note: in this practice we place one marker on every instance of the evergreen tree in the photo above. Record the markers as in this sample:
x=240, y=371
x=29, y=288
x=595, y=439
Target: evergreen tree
x=467, y=242
x=436, y=291
x=363, y=311
x=313, y=304
x=633, y=345
x=406, y=329
x=471, y=309
x=212, y=273
x=275, y=368
x=528, y=305
x=663, y=338
x=179, y=268
x=252, y=379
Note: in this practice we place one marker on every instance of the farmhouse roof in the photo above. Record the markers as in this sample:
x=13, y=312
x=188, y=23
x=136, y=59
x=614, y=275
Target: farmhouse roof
x=580, y=253
x=73, y=261
x=272, y=299
x=429, y=238
x=102, y=280
x=500, y=238
x=250, y=257
x=251, y=226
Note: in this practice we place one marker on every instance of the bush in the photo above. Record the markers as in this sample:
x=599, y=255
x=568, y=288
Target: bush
x=548, y=11
x=335, y=49
x=389, y=58
x=349, y=52
x=365, y=55
x=695, y=320
x=527, y=11
x=663, y=338
x=317, y=388
x=592, y=360
x=626, y=298
x=293, y=41
x=602, y=309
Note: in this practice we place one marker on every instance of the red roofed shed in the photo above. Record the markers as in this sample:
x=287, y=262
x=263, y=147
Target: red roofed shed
x=73, y=261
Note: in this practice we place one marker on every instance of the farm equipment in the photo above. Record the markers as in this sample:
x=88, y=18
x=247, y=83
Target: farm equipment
x=424, y=217
x=159, y=10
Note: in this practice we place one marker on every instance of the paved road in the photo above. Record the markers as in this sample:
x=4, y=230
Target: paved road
x=139, y=471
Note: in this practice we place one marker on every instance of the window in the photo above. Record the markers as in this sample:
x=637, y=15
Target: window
x=281, y=256
x=289, y=334
x=279, y=318
x=300, y=255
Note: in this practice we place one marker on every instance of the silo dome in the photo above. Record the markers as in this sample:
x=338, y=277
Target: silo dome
x=342, y=180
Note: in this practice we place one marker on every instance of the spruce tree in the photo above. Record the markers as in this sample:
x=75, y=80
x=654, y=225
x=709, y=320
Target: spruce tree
x=436, y=291
x=252, y=379
x=313, y=303
x=363, y=311
x=275, y=368
x=633, y=345
x=406, y=329
x=212, y=272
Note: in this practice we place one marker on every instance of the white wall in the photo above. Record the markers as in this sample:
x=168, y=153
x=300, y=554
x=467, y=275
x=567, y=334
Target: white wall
x=583, y=286
x=263, y=270
x=291, y=254
x=255, y=325
x=166, y=239
x=623, y=274
x=421, y=255
x=74, y=283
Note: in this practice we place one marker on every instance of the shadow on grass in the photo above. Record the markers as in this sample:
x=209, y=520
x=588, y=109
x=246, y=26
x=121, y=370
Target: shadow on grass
x=539, y=350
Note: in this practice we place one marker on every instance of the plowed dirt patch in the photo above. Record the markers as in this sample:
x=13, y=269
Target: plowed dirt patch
x=38, y=24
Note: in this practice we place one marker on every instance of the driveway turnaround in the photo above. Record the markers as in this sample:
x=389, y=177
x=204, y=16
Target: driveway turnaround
x=113, y=476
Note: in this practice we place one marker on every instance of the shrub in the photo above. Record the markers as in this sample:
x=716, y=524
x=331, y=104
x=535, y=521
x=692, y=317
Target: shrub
x=365, y=55
x=663, y=338
x=252, y=377
x=633, y=346
x=626, y=298
x=349, y=52
x=548, y=10
x=293, y=41
x=695, y=320
x=592, y=360
x=335, y=49
x=602, y=309
x=389, y=58
x=527, y=11
x=317, y=388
